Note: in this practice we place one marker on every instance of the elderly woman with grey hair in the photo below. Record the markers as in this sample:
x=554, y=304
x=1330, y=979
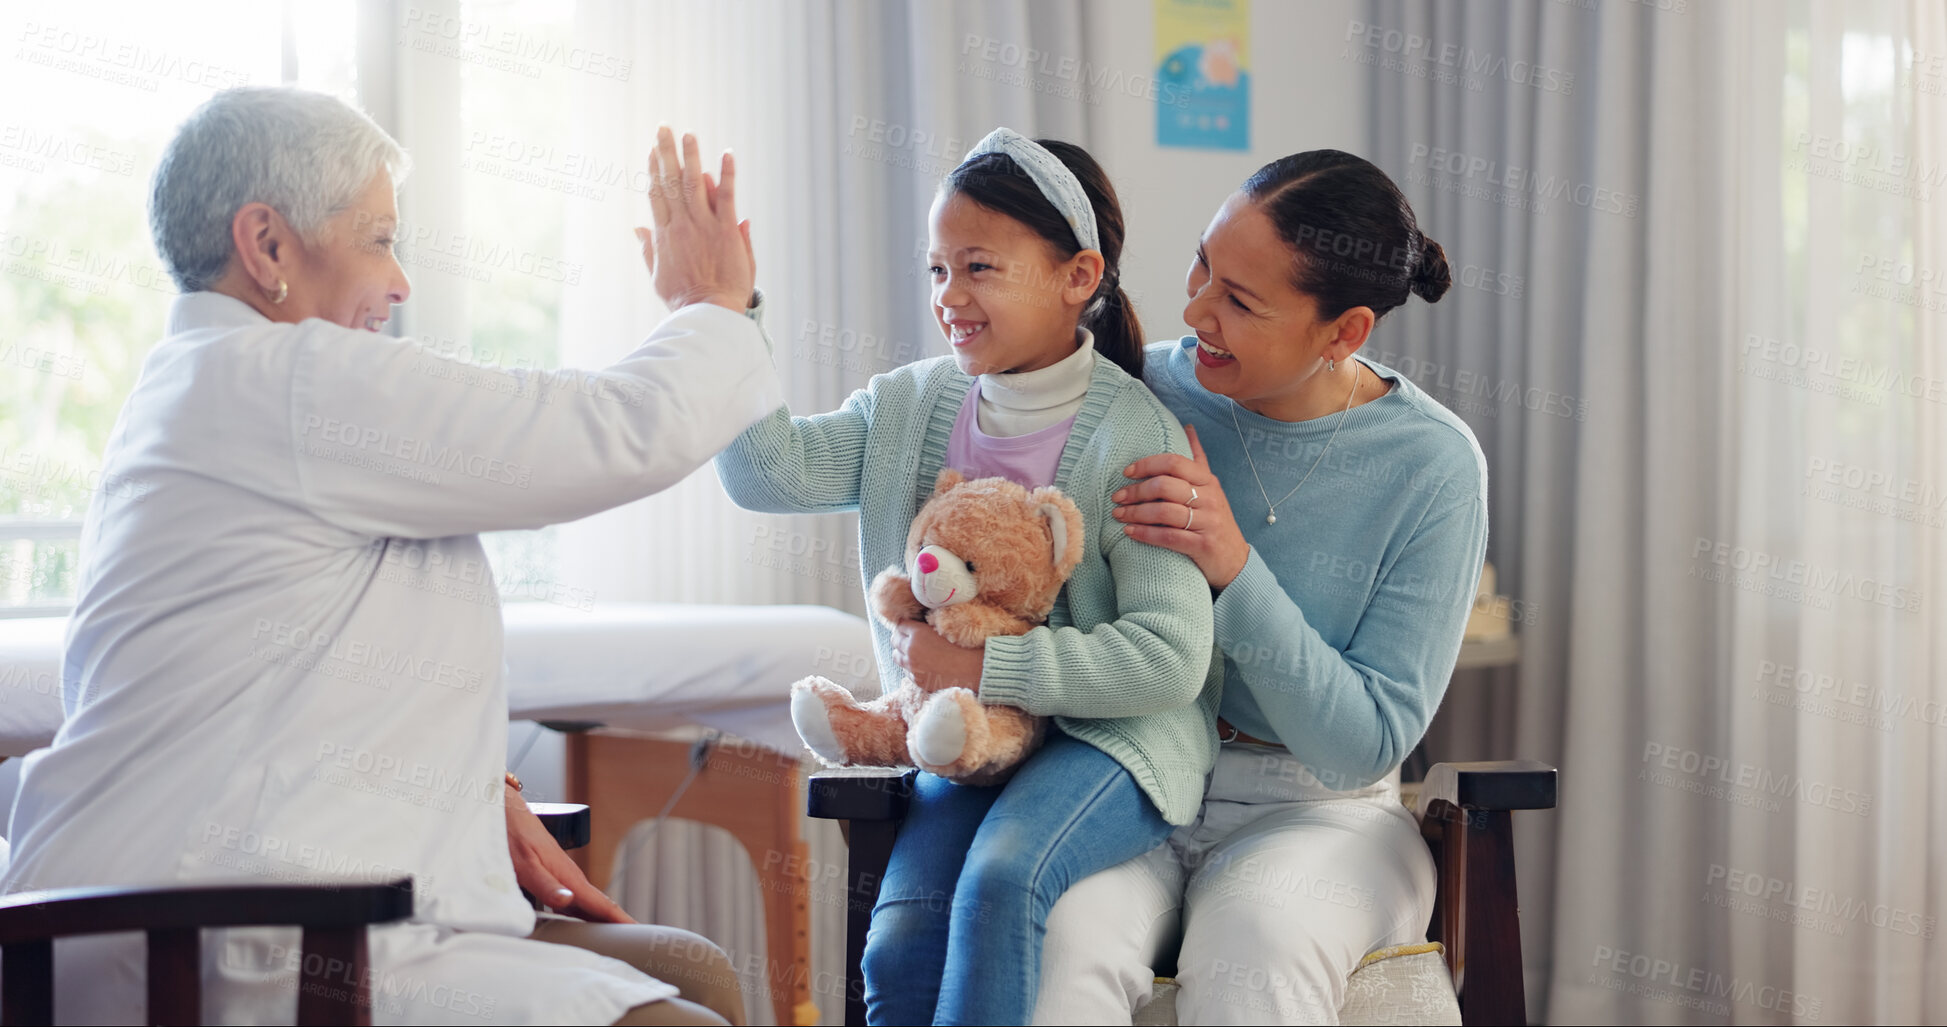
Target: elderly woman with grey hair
x=285, y=659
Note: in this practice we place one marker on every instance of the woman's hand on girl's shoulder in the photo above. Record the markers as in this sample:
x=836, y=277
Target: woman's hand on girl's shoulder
x=1177, y=503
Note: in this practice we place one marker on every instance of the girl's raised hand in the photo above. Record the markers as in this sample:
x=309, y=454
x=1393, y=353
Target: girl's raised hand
x=1178, y=504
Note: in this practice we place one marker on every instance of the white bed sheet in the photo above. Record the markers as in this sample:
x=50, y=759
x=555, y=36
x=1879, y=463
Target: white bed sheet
x=30, y=683
x=643, y=666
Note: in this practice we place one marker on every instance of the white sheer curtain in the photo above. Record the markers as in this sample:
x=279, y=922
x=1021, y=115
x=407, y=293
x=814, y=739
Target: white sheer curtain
x=1733, y=543
x=417, y=98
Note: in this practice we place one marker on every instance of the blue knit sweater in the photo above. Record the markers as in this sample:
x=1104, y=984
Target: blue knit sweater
x=1126, y=661
x=1341, y=631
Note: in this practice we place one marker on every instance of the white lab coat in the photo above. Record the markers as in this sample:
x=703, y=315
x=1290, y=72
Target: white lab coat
x=285, y=659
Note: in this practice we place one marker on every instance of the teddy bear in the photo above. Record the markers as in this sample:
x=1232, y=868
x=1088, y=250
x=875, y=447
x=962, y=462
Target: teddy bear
x=984, y=557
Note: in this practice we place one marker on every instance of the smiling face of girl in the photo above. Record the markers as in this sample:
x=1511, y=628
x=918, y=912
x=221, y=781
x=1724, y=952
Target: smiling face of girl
x=1002, y=298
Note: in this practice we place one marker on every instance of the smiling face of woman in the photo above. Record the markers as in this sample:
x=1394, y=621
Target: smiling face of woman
x=1000, y=296
x=347, y=273
x=1260, y=340
x=351, y=275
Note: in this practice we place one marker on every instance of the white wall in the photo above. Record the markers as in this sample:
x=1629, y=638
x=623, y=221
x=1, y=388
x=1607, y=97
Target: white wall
x=1303, y=97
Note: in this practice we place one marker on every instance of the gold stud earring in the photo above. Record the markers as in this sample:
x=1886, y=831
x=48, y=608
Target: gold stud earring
x=283, y=290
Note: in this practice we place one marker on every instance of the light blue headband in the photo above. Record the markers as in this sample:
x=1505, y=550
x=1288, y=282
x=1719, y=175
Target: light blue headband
x=1051, y=176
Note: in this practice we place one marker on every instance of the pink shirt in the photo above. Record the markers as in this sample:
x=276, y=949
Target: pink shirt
x=1028, y=460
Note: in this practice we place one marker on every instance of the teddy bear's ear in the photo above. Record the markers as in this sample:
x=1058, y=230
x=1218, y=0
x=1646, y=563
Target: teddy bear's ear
x=1057, y=528
x=1064, y=526
x=947, y=479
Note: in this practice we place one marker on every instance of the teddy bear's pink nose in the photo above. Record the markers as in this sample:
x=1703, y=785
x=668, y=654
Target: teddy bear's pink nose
x=928, y=563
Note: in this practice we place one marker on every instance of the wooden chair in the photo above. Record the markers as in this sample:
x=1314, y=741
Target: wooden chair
x=333, y=989
x=1464, y=814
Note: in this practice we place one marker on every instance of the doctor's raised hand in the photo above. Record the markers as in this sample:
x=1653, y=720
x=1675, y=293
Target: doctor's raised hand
x=697, y=251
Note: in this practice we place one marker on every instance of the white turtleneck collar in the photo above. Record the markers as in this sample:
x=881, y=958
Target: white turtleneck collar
x=1028, y=401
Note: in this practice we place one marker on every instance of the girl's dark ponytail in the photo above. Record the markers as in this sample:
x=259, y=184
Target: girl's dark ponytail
x=994, y=181
x=1118, y=333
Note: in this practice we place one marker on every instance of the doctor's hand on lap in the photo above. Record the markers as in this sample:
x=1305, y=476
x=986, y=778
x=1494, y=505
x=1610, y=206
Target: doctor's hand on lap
x=696, y=250
x=548, y=873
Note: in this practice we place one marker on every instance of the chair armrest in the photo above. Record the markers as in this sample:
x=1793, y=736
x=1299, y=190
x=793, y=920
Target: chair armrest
x=1466, y=816
x=1489, y=785
x=568, y=822
x=570, y=727
x=870, y=801
x=59, y=912
x=859, y=793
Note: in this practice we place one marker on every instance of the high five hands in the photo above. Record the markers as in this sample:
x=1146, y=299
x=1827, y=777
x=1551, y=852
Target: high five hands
x=696, y=250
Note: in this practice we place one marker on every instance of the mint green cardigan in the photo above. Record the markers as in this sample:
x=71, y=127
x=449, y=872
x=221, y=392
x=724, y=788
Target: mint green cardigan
x=1125, y=662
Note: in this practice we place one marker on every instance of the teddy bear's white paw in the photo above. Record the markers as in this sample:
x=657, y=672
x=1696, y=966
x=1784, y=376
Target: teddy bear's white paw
x=814, y=723
x=939, y=736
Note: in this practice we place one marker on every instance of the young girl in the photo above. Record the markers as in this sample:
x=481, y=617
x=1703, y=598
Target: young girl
x=1043, y=387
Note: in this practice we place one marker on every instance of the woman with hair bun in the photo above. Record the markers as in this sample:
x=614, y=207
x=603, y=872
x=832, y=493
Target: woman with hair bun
x=1339, y=515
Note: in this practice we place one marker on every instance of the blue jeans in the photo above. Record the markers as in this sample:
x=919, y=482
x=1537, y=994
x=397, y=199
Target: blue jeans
x=995, y=859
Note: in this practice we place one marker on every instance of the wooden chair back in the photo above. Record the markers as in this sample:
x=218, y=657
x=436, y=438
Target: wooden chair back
x=333, y=988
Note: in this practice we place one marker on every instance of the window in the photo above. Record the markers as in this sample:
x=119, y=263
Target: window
x=83, y=295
